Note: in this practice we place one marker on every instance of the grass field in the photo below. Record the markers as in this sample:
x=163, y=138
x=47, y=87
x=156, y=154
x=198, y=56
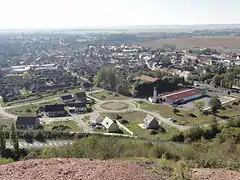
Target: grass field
x=73, y=125
x=231, y=42
x=183, y=116
x=107, y=95
x=137, y=117
x=29, y=110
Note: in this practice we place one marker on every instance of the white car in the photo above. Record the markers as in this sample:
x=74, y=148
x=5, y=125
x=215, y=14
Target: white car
x=172, y=120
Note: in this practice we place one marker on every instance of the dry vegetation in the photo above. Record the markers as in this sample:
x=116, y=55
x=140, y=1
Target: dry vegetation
x=232, y=42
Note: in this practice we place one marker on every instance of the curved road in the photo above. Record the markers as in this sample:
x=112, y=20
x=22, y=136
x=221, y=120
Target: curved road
x=132, y=107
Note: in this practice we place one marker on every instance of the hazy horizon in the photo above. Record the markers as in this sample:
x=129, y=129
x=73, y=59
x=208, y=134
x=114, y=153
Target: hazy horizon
x=82, y=14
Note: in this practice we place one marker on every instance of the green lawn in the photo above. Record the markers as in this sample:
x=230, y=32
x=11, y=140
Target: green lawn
x=73, y=125
x=231, y=111
x=29, y=110
x=107, y=95
x=135, y=118
x=183, y=116
x=86, y=118
x=6, y=122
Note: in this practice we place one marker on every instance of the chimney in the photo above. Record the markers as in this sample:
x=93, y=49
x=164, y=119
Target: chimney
x=155, y=94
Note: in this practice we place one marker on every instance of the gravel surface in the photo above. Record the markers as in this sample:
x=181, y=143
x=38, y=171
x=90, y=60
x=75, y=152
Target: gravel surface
x=87, y=169
x=215, y=174
x=77, y=169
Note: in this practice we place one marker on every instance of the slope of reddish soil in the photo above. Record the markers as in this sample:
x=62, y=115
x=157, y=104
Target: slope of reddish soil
x=77, y=169
x=85, y=169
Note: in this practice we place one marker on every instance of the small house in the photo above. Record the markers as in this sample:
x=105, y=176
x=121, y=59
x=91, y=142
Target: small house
x=67, y=99
x=55, y=110
x=150, y=122
x=79, y=107
x=96, y=117
x=110, y=125
x=80, y=96
x=27, y=123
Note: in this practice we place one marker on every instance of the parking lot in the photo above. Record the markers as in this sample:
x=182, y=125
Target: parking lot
x=190, y=105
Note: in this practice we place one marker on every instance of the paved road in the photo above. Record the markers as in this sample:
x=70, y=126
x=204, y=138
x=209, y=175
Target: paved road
x=12, y=116
x=37, y=144
x=30, y=103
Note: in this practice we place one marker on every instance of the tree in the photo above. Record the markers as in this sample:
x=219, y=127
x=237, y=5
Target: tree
x=14, y=139
x=107, y=78
x=199, y=104
x=215, y=103
x=2, y=142
x=123, y=88
x=175, y=110
x=217, y=79
x=214, y=127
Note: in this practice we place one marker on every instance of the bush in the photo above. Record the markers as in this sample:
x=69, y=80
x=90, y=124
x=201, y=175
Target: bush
x=28, y=110
x=192, y=115
x=102, y=97
x=116, y=95
x=178, y=137
x=40, y=136
x=124, y=121
x=235, y=104
x=195, y=133
x=153, y=132
x=28, y=137
x=175, y=110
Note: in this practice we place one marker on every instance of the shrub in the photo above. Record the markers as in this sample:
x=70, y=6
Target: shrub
x=102, y=97
x=181, y=171
x=28, y=110
x=175, y=110
x=178, y=137
x=153, y=132
x=192, y=115
x=40, y=136
x=124, y=121
x=235, y=104
x=195, y=133
x=116, y=95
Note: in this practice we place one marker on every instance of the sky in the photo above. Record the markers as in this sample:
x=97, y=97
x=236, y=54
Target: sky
x=107, y=13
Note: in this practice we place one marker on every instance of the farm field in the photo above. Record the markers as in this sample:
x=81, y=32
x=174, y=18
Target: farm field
x=231, y=42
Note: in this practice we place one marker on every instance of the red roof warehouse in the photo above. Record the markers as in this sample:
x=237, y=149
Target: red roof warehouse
x=182, y=96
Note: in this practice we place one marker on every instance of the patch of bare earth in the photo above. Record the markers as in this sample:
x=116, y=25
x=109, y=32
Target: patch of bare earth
x=79, y=169
x=215, y=174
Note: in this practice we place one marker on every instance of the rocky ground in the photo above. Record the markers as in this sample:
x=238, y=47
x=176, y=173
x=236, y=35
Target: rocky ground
x=82, y=169
x=78, y=169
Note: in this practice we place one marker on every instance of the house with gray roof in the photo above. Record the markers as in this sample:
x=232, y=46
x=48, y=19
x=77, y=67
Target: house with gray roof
x=150, y=122
x=110, y=125
x=27, y=123
x=96, y=117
